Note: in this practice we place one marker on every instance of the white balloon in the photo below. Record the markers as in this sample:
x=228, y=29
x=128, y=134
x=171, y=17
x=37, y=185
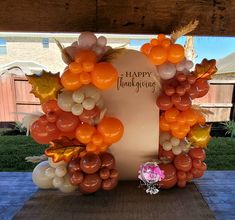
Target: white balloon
x=176, y=150
x=87, y=39
x=98, y=49
x=60, y=171
x=67, y=187
x=78, y=96
x=54, y=165
x=77, y=109
x=88, y=103
x=57, y=181
x=91, y=92
x=102, y=41
x=167, y=145
x=188, y=64
x=175, y=141
x=100, y=103
x=65, y=101
x=39, y=177
x=180, y=66
x=50, y=172
x=166, y=70
x=164, y=136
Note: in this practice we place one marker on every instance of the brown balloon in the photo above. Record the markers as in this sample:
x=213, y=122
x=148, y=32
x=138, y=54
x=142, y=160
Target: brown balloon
x=90, y=184
x=74, y=166
x=169, y=90
x=185, y=103
x=90, y=163
x=76, y=178
x=114, y=174
x=202, y=87
x=164, y=102
x=107, y=160
x=109, y=184
x=193, y=92
x=180, y=90
x=180, y=77
x=191, y=79
x=183, y=162
x=170, y=176
x=175, y=99
x=104, y=173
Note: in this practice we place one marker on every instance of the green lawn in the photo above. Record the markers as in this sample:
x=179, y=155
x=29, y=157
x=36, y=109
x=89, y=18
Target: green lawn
x=13, y=150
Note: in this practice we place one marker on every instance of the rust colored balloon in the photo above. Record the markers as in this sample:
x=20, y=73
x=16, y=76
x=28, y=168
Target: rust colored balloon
x=104, y=173
x=197, y=163
x=163, y=154
x=109, y=184
x=76, y=178
x=107, y=160
x=74, y=166
x=183, y=162
x=51, y=106
x=180, y=90
x=181, y=183
x=88, y=115
x=191, y=79
x=90, y=184
x=193, y=92
x=51, y=117
x=185, y=103
x=175, y=99
x=198, y=153
x=169, y=90
x=202, y=87
x=114, y=174
x=189, y=176
x=90, y=163
x=180, y=77
x=181, y=175
x=164, y=102
x=203, y=166
x=197, y=173
x=67, y=122
x=170, y=176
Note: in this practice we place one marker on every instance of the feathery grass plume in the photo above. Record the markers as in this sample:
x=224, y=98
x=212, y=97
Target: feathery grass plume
x=203, y=111
x=36, y=159
x=191, y=26
x=112, y=54
x=66, y=56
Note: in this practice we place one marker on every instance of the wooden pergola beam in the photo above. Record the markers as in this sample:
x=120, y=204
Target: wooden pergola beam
x=216, y=17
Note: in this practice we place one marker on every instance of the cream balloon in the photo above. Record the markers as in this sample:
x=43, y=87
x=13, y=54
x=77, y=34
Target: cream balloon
x=78, y=96
x=166, y=70
x=188, y=64
x=180, y=66
x=167, y=145
x=92, y=92
x=164, y=136
x=77, y=109
x=88, y=103
x=67, y=187
x=65, y=101
x=57, y=181
x=50, y=172
x=39, y=177
x=87, y=40
x=102, y=41
x=176, y=150
x=54, y=165
x=60, y=171
x=174, y=141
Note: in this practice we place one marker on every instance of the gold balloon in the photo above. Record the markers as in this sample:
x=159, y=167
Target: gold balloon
x=200, y=135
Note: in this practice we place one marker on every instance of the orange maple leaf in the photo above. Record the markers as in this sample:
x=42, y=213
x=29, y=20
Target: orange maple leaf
x=206, y=69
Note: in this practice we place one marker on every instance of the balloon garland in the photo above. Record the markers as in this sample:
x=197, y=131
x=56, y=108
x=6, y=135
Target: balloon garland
x=74, y=123
x=183, y=132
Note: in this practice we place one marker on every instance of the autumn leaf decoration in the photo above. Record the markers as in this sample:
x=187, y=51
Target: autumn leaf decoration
x=45, y=86
x=64, y=149
x=206, y=69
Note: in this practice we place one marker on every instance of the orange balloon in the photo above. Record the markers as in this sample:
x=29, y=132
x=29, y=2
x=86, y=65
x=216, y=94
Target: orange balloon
x=158, y=55
x=111, y=129
x=70, y=81
x=75, y=67
x=163, y=154
x=181, y=119
x=91, y=147
x=97, y=139
x=84, y=133
x=51, y=106
x=85, y=78
x=175, y=53
x=175, y=126
x=170, y=176
x=163, y=124
x=181, y=175
x=201, y=119
x=88, y=66
x=191, y=116
x=104, y=75
x=166, y=43
x=85, y=56
x=198, y=153
x=146, y=48
x=161, y=37
x=171, y=115
x=183, y=162
x=154, y=42
x=179, y=134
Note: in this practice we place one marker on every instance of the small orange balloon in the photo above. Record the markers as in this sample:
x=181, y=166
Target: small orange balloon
x=181, y=119
x=166, y=43
x=104, y=75
x=88, y=66
x=85, y=56
x=171, y=115
x=161, y=37
x=179, y=134
x=111, y=129
x=85, y=78
x=75, y=68
x=97, y=139
x=154, y=42
x=70, y=81
x=84, y=133
x=91, y=147
x=175, y=53
x=158, y=55
x=191, y=116
x=175, y=126
x=163, y=124
x=146, y=48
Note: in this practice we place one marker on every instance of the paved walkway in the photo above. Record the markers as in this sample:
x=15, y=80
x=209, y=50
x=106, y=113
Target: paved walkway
x=217, y=187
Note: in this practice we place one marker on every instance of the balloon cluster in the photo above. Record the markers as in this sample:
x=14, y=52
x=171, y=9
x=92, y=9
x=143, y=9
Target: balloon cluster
x=184, y=133
x=92, y=172
x=74, y=123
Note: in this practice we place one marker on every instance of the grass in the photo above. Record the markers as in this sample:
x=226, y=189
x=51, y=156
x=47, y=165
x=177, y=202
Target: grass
x=13, y=150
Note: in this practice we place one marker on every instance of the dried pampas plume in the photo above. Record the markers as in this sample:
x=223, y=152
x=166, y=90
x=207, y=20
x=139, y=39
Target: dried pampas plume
x=112, y=54
x=203, y=111
x=184, y=30
x=36, y=159
x=66, y=56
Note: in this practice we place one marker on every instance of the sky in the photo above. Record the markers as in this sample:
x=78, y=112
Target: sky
x=207, y=47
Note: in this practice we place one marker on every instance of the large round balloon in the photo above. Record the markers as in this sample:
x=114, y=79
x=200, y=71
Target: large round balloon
x=170, y=176
x=183, y=162
x=90, y=163
x=111, y=128
x=67, y=122
x=90, y=184
x=84, y=133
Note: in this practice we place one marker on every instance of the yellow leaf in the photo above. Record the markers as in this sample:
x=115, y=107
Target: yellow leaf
x=45, y=86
